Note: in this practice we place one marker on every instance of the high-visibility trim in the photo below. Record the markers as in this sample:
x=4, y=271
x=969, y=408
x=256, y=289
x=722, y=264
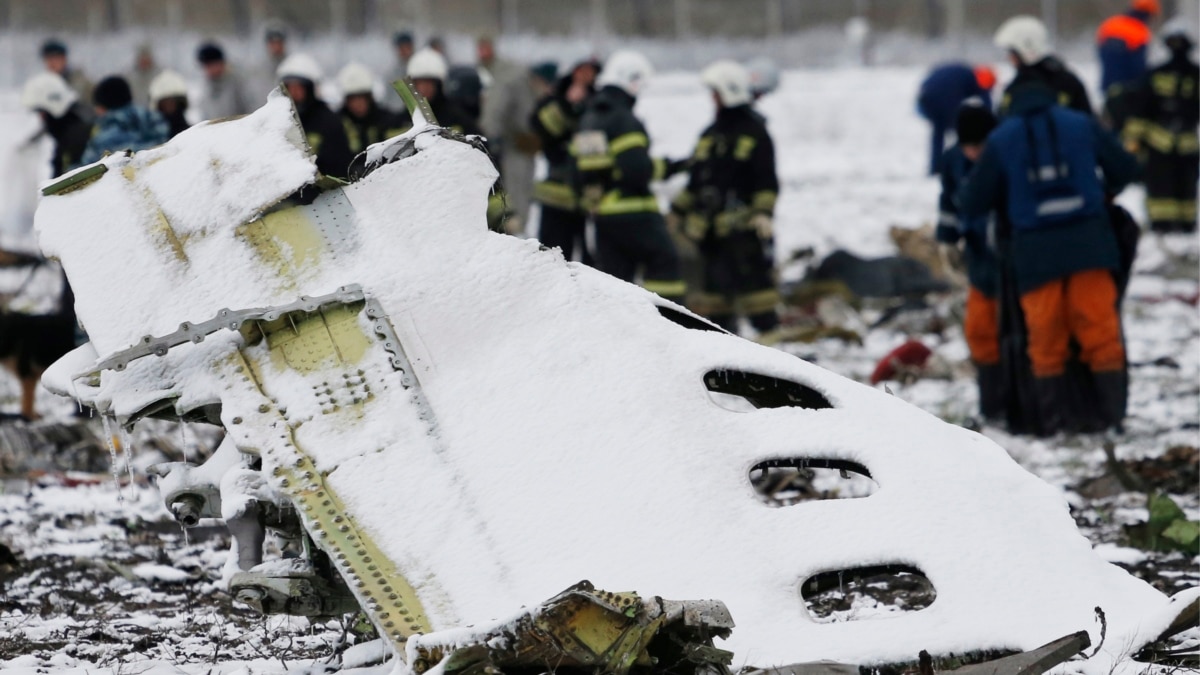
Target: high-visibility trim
x=947, y=218
x=594, y=163
x=710, y=304
x=684, y=201
x=1164, y=84
x=552, y=119
x=314, y=141
x=758, y=302
x=660, y=168
x=558, y=195
x=745, y=148
x=1160, y=138
x=1127, y=29
x=703, y=148
x=1135, y=129
x=629, y=141
x=1164, y=209
x=1189, y=143
x=613, y=204
x=764, y=200
x=726, y=222
x=668, y=288
x=695, y=226
x=1060, y=206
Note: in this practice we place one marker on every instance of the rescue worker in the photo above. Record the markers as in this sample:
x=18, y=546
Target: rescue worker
x=943, y=92
x=428, y=69
x=169, y=98
x=275, y=39
x=1028, y=46
x=64, y=118
x=403, y=44
x=143, y=73
x=613, y=174
x=120, y=123
x=981, y=325
x=366, y=123
x=1162, y=129
x=224, y=93
x=1121, y=44
x=509, y=98
x=555, y=120
x=54, y=57
x=323, y=129
x=728, y=206
x=1040, y=168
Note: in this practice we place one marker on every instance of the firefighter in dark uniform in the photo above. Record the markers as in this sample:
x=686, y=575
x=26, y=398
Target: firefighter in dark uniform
x=64, y=118
x=322, y=127
x=613, y=174
x=364, y=120
x=428, y=70
x=1028, y=46
x=1162, y=130
x=555, y=121
x=729, y=204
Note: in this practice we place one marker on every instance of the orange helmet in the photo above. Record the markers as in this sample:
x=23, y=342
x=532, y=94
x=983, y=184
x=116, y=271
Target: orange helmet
x=985, y=77
x=1151, y=7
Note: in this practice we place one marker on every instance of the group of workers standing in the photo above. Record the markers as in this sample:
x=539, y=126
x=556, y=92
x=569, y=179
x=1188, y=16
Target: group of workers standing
x=1029, y=190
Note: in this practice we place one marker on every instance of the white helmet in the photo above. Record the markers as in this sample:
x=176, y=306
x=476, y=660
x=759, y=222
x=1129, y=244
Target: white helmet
x=627, y=70
x=1177, y=26
x=1026, y=35
x=764, y=76
x=49, y=92
x=166, y=84
x=428, y=64
x=731, y=82
x=356, y=78
x=299, y=66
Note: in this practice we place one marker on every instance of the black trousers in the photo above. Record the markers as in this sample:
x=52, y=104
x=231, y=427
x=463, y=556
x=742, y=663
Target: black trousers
x=566, y=230
x=628, y=242
x=1171, y=191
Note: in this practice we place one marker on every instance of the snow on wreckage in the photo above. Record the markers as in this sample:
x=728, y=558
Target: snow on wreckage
x=444, y=425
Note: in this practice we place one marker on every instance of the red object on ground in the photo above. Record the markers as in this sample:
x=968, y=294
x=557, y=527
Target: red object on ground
x=911, y=353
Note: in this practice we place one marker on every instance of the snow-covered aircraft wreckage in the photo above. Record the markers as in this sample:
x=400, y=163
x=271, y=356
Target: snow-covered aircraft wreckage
x=444, y=427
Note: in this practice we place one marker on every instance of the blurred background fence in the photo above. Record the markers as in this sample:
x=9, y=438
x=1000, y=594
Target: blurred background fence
x=675, y=33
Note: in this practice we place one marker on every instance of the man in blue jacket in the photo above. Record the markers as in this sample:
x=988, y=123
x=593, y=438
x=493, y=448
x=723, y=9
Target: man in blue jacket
x=121, y=125
x=981, y=325
x=1121, y=44
x=1039, y=170
x=942, y=92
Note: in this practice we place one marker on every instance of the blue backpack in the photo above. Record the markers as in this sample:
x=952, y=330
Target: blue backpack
x=1049, y=158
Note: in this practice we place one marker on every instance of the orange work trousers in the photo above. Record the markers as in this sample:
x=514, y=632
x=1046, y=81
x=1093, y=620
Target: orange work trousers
x=981, y=327
x=1081, y=306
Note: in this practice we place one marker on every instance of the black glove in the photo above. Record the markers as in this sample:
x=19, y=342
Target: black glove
x=947, y=234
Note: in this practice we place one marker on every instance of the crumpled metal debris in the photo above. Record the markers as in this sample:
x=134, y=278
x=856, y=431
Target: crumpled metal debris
x=592, y=630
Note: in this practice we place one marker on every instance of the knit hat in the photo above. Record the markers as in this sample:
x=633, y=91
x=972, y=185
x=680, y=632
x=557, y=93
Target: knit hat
x=547, y=71
x=210, y=52
x=54, y=46
x=112, y=93
x=402, y=37
x=975, y=121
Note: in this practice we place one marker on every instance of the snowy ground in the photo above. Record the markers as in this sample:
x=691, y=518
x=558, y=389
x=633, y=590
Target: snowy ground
x=105, y=579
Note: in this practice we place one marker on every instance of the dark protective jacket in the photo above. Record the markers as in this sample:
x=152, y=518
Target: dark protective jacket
x=1121, y=44
x=1040, y=166
x=177, y=121
x=554, y=121
x=941, y=94
x=612, y=158
x=732, y=174
x=379, y=124
x=982, y=269
x=1053, y=73
x=326, y=137
x=451, y=116
x=71, y=133
x=1166, y=108
x=130, y=127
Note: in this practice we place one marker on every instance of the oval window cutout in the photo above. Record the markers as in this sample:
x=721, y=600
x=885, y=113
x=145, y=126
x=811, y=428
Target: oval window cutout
x=784, y=482
x=866, y=593
x=760, y=391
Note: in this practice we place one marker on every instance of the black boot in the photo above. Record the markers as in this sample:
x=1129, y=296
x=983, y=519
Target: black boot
x=991, y=391
x=1051, y=395
x=1113, y=387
